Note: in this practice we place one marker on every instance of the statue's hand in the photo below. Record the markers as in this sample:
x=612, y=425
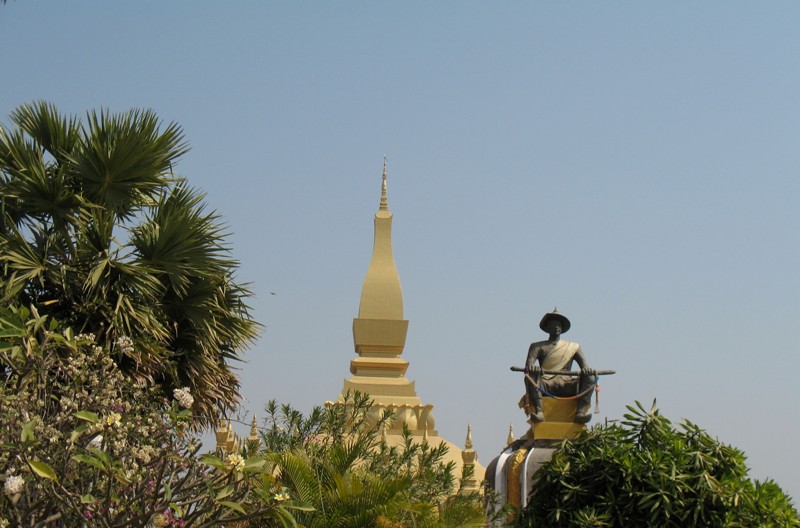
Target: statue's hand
x=587, y=372
x=536, y=370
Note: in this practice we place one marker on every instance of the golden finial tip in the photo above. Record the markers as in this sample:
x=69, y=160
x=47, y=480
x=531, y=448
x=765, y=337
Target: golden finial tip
x=384, y=201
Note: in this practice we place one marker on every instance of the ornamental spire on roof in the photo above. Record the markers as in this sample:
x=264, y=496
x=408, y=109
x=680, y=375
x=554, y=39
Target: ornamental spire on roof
x=379, y=338
x=384, y=200
x=379, y=331
x=381, y=295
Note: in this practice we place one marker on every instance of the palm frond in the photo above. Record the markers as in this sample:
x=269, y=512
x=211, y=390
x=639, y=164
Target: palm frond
x=296, y=471
x=55, y=133
x=126, y=157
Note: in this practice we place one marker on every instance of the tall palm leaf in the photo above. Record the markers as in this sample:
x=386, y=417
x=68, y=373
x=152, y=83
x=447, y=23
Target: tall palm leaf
x=96, y=230
x=346, y=498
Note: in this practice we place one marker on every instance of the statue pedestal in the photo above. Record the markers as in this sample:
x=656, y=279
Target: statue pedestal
x=558, y=424
x=513, y=472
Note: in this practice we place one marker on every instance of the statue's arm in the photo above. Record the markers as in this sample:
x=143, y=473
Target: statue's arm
x=580, y=359
x=533, y=356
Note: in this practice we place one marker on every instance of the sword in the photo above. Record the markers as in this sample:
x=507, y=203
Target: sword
x=567, y=372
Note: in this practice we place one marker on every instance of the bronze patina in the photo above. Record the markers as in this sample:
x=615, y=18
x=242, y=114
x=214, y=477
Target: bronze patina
x=548, y=370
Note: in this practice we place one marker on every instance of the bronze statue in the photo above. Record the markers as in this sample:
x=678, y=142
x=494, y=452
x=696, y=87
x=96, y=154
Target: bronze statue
x=556, y=354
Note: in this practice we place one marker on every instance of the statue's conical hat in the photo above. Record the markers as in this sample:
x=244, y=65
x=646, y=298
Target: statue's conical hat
x=565, y=324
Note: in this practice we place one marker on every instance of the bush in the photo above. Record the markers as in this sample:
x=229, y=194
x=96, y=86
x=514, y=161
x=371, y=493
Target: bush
x=337, y=460
x=644, y=471
x=82, y=443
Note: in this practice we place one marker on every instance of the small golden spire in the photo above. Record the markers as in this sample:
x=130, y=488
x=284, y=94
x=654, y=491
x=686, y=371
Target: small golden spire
x=384, y=201
x=230, y=439
x=469, y=457
x=253, y=441
x=254, y=427
x=510, y=439
x=222, y=434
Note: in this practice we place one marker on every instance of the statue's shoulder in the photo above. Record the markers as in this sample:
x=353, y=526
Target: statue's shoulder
x=540, y=344
x=572, y=346
x=561, y=343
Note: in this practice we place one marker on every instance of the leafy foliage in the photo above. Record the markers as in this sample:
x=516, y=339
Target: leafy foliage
x=96, y=231
x=644, y=471
x=337, y=461
x=82, y=444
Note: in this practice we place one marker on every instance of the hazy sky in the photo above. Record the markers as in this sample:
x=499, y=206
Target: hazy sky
x=634, y=163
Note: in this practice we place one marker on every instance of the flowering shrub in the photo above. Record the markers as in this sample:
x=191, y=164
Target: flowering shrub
x=82, y=442
x=183, y=397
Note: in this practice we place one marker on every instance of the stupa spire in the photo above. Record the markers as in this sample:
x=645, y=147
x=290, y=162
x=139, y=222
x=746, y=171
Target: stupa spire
x=384, y=198
x=381, y=295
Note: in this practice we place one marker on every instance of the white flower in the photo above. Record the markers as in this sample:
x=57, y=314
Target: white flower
x=125, y=344
x=184, y=397
x=235, y=462
x=14, y=484
x=97, y=442
x=113, y=419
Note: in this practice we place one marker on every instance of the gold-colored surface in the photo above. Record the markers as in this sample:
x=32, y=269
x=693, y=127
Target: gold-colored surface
x=381, y=294
x=515, y=467
x=379, y=331
x=383, y=390
x=559, y=410
x=469, y=457
x=556, y=430
x=510, y=437
x=379, y=337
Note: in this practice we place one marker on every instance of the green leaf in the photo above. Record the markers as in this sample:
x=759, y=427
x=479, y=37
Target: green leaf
x=119, y=475
x=104, y=457
x=94, y=278
x=77, y=432
x=254, y=464
x=89, y=459
x=298, y=505
x=43, y=470
x=27, y=432
x=233, y=506
x=224, y=492
x=87, y=416
x=213, y=461
x=88, y=499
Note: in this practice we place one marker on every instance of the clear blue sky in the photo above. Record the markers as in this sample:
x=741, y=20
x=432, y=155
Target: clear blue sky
x=634, y=163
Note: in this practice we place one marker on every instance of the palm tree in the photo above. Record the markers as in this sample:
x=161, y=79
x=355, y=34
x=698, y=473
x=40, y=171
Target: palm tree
x=96, y=231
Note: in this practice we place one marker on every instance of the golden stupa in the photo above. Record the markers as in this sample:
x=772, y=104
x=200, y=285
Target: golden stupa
x=379, y=336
